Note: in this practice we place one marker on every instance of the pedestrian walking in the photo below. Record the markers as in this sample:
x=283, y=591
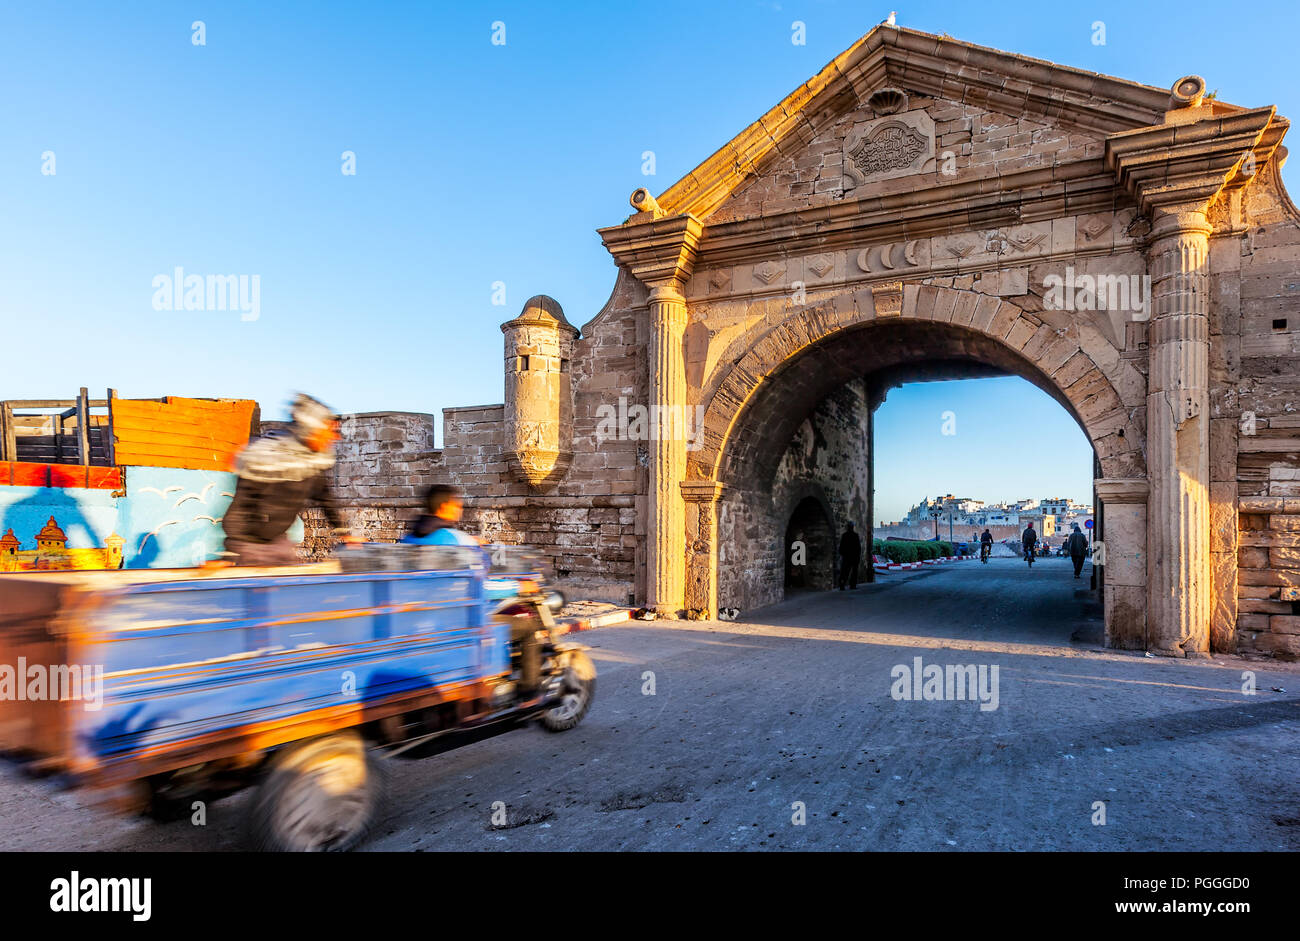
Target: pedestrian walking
x=850, y=556
x=1078, y=546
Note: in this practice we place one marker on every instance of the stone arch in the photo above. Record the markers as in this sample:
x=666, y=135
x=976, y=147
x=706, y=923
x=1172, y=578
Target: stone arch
x=820, y=561
x=753, y=403
x=823, y=346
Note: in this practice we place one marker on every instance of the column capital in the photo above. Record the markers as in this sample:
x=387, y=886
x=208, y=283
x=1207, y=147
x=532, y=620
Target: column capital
x=1183, y=164
x=702, y=491
x=666, y=292
x=1122, y=489
x=1178, y=220
x=658, y=251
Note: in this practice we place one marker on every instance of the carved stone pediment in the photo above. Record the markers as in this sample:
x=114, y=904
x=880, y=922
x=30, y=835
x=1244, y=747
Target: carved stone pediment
x=889, y=147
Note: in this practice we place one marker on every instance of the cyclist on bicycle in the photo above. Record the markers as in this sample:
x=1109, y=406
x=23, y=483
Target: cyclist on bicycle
x=1027, y=542
x=986, y=545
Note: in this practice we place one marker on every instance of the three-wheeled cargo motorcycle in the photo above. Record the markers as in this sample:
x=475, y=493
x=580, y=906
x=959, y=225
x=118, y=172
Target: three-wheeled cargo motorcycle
x=165, y=687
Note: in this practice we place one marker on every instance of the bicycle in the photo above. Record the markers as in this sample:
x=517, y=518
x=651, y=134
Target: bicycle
x=985, y=551
x=1029, y=555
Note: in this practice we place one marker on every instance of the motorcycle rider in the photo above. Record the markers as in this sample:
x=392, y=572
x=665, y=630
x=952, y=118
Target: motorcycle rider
x=986, y=545
x=278, y=475
x=1028, y=540
x=436, y=526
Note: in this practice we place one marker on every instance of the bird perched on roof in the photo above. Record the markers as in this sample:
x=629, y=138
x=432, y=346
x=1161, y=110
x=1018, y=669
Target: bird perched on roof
x=889, y=20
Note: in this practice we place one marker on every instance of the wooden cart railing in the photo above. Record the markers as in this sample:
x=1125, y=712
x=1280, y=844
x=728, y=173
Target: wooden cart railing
x=67, y=446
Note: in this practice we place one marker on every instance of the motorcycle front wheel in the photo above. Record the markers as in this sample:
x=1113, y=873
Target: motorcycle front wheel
x=579, y=690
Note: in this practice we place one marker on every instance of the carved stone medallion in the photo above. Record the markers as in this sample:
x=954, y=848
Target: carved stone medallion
x=889, y=147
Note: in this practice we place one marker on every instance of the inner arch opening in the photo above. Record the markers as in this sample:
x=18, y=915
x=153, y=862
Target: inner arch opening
x=809, y=422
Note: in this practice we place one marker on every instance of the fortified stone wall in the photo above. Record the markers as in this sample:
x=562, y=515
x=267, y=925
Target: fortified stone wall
x=386, y=460
x=1255, y=429
x=909, y=205
x=586, y=526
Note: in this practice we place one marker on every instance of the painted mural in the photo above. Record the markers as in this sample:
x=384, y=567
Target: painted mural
x=52, y=552
x=161, y=517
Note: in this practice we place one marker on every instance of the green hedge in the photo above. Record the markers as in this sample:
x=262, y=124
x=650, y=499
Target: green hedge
x=904, y=550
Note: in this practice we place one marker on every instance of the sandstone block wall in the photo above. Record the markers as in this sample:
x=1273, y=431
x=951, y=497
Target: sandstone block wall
x=828, y=461
x=802, y=250
x=1255, y=425
x=1269, y=565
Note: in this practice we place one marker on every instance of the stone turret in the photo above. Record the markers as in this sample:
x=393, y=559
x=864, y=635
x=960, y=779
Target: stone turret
x=539, y=404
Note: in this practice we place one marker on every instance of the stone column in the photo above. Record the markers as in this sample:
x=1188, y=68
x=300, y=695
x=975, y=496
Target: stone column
x=666, y=529
x=701, y=498
x=659, y=250
x=1123, y=560
x=1178, y=442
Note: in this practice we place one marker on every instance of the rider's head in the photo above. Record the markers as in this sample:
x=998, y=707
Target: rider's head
x=443, y=501
x=313, y=423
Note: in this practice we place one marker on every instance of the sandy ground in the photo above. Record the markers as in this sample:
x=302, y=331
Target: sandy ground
x=789, y=714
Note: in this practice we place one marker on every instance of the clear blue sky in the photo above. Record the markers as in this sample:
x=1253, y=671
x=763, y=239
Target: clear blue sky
x=996, y=440
x=475, y=163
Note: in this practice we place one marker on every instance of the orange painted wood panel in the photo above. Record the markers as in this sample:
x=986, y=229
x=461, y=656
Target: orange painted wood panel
x=144, y=437
x=28, y=474
x=67, y=475
x=190, y=433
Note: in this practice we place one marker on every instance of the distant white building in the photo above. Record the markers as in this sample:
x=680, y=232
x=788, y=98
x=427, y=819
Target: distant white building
x=1052, y=516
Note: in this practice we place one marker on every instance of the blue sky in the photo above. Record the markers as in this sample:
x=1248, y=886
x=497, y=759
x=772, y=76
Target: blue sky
x=475, y=163
x=996, y=440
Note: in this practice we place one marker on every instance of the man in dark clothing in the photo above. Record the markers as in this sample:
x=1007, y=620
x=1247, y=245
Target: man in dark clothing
x=1077, y=545
x=850, y=556
x=279, y=475
x=1028, y=540
x=986, y=544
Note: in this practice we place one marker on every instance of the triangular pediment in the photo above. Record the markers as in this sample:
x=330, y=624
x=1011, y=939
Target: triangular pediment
x=879, y=101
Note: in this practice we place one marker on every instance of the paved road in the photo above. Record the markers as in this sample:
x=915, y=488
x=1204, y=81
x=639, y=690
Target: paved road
x=748, y=720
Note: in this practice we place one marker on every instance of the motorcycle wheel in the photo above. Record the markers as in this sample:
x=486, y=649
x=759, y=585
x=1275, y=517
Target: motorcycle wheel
x=320, y=795
x=579, y=690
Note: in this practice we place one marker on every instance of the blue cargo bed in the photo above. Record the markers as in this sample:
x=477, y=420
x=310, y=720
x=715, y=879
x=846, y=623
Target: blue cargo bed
x=196, y=667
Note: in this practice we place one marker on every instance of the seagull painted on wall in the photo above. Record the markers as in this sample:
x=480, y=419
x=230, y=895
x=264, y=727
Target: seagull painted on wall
x=161, y=493
x=201, y=496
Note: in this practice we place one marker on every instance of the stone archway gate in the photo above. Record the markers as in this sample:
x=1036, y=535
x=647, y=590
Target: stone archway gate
x=1126, y=247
